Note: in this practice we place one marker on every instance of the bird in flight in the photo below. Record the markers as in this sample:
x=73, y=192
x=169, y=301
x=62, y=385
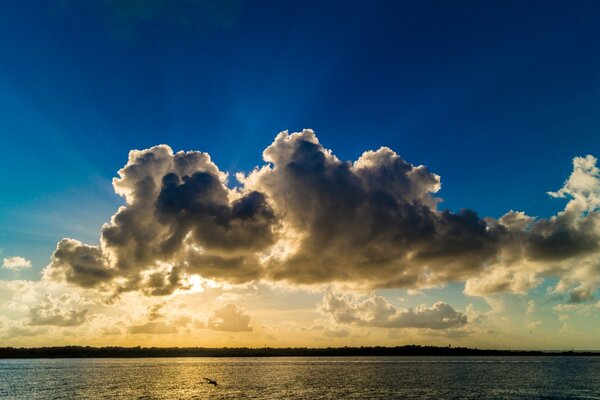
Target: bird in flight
x=211, y=382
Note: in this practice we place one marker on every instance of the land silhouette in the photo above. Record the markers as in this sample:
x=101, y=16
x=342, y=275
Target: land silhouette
x=147, y=352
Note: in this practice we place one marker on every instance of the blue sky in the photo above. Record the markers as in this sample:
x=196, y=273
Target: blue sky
x=496, y=98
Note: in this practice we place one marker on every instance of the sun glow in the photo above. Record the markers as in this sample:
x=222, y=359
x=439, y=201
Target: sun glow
x=197, y=284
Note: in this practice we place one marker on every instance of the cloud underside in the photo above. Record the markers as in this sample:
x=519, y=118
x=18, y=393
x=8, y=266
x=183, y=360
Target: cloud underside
x=65, y=311
x=377, y=312
x=228, y=318
x=306, y=217
x=16, y=263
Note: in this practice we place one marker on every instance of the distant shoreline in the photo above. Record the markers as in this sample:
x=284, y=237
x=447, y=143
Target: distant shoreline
x=153, y=352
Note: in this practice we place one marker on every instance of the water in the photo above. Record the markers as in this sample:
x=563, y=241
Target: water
x=303, y=378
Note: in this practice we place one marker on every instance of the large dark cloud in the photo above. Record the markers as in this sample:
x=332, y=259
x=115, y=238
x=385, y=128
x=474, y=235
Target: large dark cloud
x=373, y=221
x=308, y=217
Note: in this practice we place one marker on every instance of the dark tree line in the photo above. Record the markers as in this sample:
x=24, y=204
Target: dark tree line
x=131, y=352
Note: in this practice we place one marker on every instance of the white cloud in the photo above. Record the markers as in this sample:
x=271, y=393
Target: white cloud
x=530, y=306
x=230, y=318
x=154, y=328
x=16, y=263
x=583, y=186
x=514, y=279
x=66, y=310
x=376, y=311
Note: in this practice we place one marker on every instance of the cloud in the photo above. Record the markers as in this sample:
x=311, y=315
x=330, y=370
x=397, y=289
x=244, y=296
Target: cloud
x=373, y=221
x=336, y=333
x=307, y=217
x=78, y=263
x=587, y=309
x=156, y=324
x=534, y=325
x=179, y=217
x=230, y=318
x=583, y=185
x=581, y=295
x=153, y=327
x=10, y=329
x=497, y=279
x=530, y=306
x=65, y=310
x=16, y=263
x=376, y=311
x=565, y=246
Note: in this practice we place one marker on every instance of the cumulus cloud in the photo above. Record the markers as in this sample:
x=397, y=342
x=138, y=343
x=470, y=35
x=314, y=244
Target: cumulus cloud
x=307, y=217
x=154, y=328
x=156, y=323
x=500, y=278
x=565, y=246
x=179, y=217
x=373, y=221
x=11, y=329
x=65, y=310
x=230, y=318
x=78, y=263
x=15, y=263
x=376, y=311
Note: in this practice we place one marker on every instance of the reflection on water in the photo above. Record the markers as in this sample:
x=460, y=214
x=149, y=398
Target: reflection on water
x=303, y=378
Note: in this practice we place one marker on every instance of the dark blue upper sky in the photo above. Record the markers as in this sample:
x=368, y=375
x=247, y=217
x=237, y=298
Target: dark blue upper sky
x=496, y=97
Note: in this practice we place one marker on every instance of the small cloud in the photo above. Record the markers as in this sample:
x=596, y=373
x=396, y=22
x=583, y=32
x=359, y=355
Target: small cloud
x=22, y=331
x=534, y=325
x=16, y=263
x=156, y=328
x=581, y=295
x=336, y=333
x=530, y=306
x=568, y=307
x=112, y=332
x=473, y=316
x=394, y=333
x=450, y=333
x=230, y=318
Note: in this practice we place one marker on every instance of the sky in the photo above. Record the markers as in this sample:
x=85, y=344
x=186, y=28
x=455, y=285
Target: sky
x=297, y=173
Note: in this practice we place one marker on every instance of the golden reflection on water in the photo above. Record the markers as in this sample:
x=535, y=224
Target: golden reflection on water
x=302, y=378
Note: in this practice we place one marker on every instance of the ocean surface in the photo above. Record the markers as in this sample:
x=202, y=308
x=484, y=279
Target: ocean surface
x=303, y=378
